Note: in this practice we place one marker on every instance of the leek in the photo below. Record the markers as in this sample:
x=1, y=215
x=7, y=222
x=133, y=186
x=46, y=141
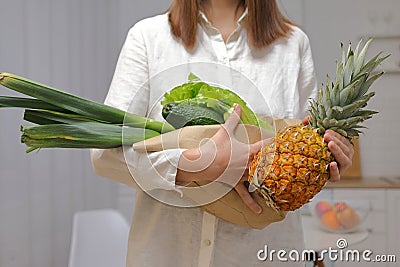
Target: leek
x=82, y=135
x=85, y=107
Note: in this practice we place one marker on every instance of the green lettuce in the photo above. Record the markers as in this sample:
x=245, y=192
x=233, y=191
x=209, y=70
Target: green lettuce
x=203, y=93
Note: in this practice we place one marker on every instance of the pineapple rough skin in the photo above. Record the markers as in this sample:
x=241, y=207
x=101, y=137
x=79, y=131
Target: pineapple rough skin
x=295, y=166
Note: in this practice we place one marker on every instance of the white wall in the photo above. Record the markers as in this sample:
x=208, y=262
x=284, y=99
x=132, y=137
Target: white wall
x=72, y=45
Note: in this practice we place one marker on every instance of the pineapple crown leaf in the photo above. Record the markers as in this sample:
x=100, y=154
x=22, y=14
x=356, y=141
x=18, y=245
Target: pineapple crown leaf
x=340, y=102
x=361, y=56
x=367, y=84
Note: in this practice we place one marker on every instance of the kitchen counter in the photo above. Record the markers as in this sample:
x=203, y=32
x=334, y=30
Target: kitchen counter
x=366, y=183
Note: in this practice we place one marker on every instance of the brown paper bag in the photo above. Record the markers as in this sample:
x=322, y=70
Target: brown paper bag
x=230, y=207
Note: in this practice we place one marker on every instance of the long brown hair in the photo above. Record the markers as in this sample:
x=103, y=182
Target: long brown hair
x=264, y=22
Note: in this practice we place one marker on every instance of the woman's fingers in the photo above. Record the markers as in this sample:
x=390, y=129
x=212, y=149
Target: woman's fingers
x=334, y=172
x=339, y=155
x=254, y=148
x=343, y=152
x=305, y=121
x=233, y=119
x=247, y=198
x=343, y=143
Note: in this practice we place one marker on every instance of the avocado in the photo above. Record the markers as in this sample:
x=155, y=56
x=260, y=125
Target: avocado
x=180, y=115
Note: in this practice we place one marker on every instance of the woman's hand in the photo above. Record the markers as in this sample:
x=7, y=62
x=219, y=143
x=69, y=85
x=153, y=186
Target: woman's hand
x=243, y=192
x=343, y=152
x=341, y=149
x=221, y=158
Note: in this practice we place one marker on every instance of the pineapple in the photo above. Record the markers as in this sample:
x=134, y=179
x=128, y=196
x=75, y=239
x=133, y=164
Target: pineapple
x=293, y=168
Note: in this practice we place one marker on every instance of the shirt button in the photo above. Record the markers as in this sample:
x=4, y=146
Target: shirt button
x=207, y=242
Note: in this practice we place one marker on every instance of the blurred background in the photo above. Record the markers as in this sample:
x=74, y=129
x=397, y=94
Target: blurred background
x=73, y=45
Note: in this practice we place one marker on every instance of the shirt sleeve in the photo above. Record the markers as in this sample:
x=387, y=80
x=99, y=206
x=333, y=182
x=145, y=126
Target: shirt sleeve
x=129, y=91
x=307, y=81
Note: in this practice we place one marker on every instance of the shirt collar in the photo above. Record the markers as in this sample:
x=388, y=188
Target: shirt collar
x=204, y=19
x=243, y=16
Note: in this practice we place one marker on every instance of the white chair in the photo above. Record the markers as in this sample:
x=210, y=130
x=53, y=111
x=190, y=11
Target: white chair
x=99, y=239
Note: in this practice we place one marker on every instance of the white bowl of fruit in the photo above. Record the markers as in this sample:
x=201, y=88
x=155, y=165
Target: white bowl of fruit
x=339, y=216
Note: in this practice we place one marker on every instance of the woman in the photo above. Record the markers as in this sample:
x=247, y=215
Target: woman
x=250, y=36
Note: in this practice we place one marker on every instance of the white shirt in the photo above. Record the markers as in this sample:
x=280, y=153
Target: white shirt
x=164, y=235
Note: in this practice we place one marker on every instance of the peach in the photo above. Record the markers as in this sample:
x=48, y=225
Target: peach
x=330, y=220
x=348, y=218
x=322, y=207
x=340, y=206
